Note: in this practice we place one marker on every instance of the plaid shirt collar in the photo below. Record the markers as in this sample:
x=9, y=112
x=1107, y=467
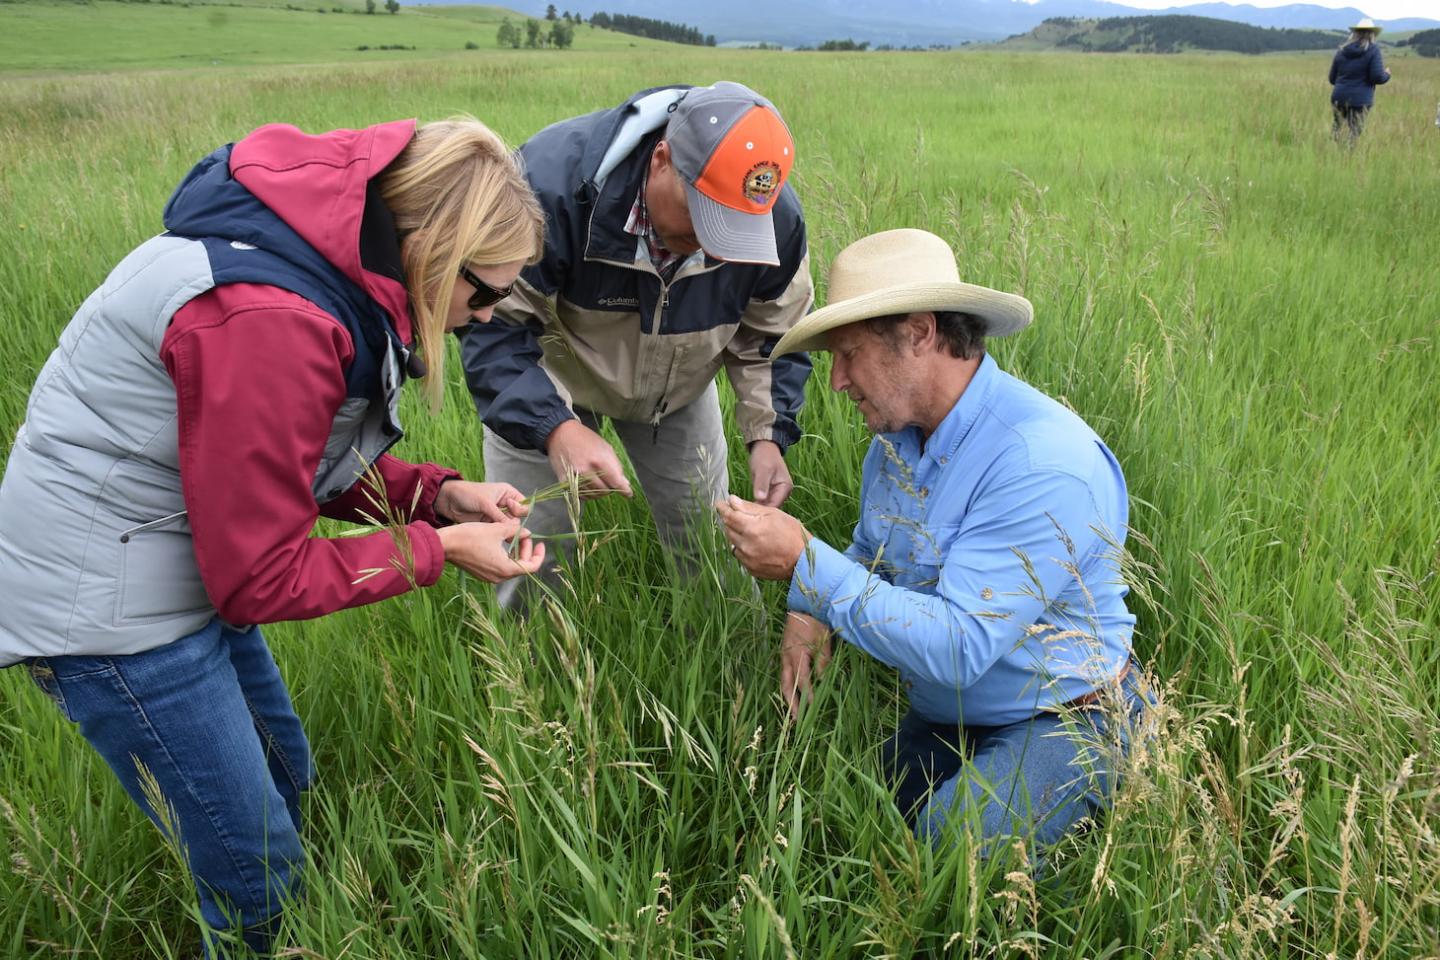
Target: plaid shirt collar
x=638, y=224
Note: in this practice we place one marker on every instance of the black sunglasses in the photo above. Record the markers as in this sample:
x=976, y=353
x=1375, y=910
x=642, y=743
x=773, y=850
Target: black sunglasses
x=484, y=295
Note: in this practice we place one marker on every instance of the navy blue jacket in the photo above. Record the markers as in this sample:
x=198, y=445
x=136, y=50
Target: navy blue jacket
x=614, y=339
x=1356, y=71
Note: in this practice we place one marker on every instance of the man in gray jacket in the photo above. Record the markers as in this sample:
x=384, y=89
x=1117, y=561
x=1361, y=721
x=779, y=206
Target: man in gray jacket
x=674, y=248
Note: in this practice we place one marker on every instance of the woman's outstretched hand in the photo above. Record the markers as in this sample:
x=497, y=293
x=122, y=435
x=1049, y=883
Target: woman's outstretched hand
x=484, y=550
x=462, y=501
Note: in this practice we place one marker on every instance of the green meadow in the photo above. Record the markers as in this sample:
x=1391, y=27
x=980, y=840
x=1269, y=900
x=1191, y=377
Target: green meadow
x=105, y=35
x=1247, y=313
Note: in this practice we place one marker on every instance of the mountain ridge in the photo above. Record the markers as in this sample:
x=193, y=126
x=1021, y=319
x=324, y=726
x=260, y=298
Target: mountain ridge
x=1167, y=33
x=952, y=22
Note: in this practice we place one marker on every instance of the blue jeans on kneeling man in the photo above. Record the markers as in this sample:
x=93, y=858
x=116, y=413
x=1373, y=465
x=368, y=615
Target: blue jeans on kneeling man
x=1034, y=779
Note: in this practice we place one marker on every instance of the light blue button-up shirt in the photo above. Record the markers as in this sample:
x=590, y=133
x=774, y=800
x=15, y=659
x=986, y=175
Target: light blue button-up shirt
x=985, y=565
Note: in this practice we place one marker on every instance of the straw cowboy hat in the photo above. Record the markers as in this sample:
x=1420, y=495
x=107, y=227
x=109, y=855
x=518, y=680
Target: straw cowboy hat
x=902, y=271
x=1366, y=24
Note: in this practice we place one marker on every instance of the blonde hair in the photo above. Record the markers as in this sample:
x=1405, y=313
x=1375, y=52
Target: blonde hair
x=1363, y=37
x=458, y=196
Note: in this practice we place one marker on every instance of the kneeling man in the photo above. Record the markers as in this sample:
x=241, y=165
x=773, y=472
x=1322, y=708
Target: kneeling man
x=985, y=563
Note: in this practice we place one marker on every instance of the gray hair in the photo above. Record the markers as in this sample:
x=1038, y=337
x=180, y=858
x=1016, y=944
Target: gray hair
x=961, y=335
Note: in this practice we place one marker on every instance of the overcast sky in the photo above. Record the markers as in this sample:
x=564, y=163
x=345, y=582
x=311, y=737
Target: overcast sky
x=1381, y=10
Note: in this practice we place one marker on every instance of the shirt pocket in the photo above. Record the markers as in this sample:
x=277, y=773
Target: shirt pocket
x=920, y=552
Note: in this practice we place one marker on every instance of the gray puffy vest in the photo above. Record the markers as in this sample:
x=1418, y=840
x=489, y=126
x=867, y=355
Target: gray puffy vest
x=95, y=546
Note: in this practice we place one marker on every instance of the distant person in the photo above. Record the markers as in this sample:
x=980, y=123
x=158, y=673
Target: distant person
x=675, y=249
x=1355, y=72
x=226, y=386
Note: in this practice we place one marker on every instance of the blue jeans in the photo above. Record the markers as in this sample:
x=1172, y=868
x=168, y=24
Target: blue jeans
x=209, y=718
x=1034, y=779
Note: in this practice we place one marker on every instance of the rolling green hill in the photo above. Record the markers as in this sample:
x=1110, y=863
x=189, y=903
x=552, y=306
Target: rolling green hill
x=1167, y=34
x=43, y=35
x=1426, y=43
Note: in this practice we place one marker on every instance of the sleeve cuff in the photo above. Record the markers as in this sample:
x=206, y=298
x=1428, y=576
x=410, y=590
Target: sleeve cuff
x=774, y=432
x=817, y=578
x=427, y=553
x=433, y=478
x=541, y=434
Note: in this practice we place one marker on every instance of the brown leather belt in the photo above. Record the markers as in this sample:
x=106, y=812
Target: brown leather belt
x=1085, y=699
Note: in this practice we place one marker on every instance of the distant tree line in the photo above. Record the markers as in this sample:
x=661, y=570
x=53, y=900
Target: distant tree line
x=1173, y=33
x=653, y=29
x=567, y=16
x=847, y=45
x=534, y=35
x=1426, y=43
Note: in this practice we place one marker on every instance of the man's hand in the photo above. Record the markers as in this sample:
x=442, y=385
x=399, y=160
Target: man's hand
x=804, y=654
x=575, y=448
x=481, y=549
x=768, y=473
x=767, y=542
x=463, y=501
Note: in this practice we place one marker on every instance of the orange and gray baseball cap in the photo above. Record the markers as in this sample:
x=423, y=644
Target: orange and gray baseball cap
x=733, y=153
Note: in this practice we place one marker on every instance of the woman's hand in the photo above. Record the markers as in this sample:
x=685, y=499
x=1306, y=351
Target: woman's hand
x=463, y=501
x=483, y=549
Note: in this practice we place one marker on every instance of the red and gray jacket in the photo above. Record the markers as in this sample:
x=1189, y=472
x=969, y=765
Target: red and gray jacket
x=226, y=385
x=593, y=325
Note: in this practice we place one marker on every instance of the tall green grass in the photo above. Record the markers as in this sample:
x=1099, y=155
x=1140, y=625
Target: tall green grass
x=1245, y=312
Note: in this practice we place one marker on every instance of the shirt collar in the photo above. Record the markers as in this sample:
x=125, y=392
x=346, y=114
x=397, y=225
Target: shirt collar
x=639, y=224
x=955, y=427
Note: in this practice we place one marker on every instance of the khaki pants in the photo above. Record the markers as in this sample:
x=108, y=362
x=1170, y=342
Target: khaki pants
x=681, y=466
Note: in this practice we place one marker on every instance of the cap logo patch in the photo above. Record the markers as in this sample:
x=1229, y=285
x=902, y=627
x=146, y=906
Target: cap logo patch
x=761, y=181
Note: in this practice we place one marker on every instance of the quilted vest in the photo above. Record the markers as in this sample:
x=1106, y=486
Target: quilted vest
x=96, y=554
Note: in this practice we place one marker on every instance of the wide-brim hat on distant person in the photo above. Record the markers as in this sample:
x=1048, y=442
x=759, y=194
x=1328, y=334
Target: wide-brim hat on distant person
x=1366, y=24
x=733, y=152
x=900, y=272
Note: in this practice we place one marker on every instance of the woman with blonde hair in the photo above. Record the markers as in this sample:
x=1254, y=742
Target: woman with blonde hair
x=1355, y=72
x=232, y=380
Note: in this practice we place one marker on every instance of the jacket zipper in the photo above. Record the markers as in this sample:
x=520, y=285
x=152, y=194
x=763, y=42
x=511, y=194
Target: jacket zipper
x=664, y=403
x=660, y=308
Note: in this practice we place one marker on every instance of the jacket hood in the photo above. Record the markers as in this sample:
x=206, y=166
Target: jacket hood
x=637, y=118
x=1353, y=50
x=317, y=185
x=614, y=133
